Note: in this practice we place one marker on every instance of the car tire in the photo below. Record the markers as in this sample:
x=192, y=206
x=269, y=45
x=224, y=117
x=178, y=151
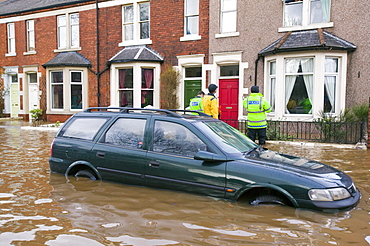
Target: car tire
x=86, y=174
x=267, y=200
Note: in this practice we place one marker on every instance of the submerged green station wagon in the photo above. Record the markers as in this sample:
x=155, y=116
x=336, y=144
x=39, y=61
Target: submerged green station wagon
x=172, y=149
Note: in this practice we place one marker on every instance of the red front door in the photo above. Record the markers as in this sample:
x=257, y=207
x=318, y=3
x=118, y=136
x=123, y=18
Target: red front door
x=228, y=100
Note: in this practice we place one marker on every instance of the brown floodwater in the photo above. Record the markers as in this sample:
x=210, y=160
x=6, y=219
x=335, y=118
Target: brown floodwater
x=42, y=208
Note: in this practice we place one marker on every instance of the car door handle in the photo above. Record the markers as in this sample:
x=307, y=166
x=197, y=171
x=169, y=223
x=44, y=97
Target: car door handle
x=154, y=164
x=100, y=154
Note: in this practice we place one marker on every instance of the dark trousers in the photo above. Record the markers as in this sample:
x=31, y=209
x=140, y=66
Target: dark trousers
x=261, y=132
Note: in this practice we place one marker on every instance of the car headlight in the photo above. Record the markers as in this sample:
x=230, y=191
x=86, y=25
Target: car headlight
x=328, y=194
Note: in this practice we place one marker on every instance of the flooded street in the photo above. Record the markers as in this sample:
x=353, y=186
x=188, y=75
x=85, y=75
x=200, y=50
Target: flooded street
x=42, y=208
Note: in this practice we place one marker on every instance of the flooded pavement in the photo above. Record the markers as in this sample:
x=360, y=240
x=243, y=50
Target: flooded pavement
x=42, y=208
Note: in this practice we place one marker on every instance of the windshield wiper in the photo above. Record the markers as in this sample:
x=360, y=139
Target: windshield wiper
x=258, y=149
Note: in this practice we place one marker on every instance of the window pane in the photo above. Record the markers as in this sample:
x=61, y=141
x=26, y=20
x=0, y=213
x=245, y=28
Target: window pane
x=329, y=94
x=74, y=19
x=144, y=30
x=192, y=7
x=14, y=78
x=57, y=96
x=147, y=78
x=228, y=22
x=126, y=98
x=331, y=65
x=129, y=32
x=171, y=138
x=320, y=11
x=191, y=72
x=62, y=20
x=146, y=98
x=125, y=78
x=192, y=25
x=83, y=128
x=75, y=36
x=32, y=78
x=56, y=77
x=76, y=77
x=228, y=5
x=229, y=70
x=293, y=13
x=127, y=133
x=144, y=11
x=62, y=35
x=272, y=68
x=76, y=96
x=128, y=14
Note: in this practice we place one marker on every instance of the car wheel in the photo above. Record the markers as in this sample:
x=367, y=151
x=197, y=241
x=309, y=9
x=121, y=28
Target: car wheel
x=267, y=200
x=86, y=174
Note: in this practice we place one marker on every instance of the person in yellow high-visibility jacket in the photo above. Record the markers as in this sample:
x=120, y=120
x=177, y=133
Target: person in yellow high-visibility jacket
x=257, y=107
x=196, y=103
x=210, y=102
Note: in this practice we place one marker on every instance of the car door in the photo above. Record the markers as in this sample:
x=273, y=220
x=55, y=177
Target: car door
x=171, y=163
x=119, y=154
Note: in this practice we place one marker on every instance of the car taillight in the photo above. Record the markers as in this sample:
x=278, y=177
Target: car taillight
x=51, y=147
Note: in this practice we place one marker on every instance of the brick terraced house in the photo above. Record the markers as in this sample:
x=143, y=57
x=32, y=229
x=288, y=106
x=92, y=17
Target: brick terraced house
x=307, y=56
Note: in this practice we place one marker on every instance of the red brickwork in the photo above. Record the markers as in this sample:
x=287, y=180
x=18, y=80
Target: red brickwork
x=166, y=29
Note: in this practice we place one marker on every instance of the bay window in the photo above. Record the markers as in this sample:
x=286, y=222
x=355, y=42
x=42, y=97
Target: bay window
x=304, y=87
x=298, y=85
x=272, y=84
x=67, y=90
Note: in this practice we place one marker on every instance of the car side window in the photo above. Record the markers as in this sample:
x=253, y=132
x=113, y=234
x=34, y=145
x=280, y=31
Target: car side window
x=126, y=132
x=172, y=138
x=83, y=128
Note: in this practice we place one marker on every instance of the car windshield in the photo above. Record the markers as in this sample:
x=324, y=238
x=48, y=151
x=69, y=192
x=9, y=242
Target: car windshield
x=227, y=137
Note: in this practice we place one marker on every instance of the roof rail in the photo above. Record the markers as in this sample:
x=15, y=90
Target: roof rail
x=127, y=110
x=103, y=108
x=190, y=111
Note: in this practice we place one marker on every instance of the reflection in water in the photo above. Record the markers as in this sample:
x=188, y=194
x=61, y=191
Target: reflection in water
x=39, y=208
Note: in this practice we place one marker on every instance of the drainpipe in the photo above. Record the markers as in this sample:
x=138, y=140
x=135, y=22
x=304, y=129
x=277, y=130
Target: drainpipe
x=255, y=69
x=98, y=50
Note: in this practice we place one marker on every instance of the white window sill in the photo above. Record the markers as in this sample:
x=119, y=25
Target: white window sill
x=29, y=53
x=67, y=49
x=226, y=35
x=309, y=27
x=135, y=42
x=10, y=54
x=190, y=38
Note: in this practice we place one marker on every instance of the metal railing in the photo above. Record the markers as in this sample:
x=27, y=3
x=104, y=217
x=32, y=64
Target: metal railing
x=326, y=132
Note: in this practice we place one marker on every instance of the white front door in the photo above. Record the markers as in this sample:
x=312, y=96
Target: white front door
x=14, y=96
x=33, y=92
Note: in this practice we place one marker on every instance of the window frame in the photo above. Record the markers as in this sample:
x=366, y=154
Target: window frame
x=187, y=15
x=31, y=41
x=306, y=18
x=136, y=24
x=318, y=84
x=137, y=82
x=66, y=43
x=67, y=89
x=11, y=39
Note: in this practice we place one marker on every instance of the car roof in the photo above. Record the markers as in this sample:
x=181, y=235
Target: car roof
x=175, y=113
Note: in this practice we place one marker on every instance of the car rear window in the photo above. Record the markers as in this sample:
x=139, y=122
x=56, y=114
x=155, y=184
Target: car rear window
x=83, y=128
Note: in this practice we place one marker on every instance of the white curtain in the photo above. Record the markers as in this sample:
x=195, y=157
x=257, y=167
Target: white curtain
x=307, y=67
x=291, y=66
x=330, y=67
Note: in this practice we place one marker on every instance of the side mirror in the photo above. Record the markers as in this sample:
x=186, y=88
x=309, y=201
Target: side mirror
x=208, y=156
